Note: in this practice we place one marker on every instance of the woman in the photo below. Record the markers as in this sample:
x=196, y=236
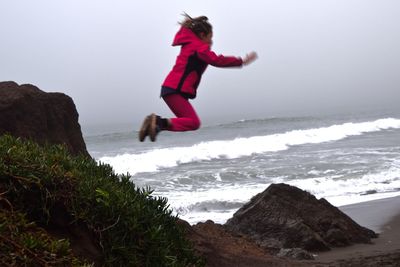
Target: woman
x=195, y=39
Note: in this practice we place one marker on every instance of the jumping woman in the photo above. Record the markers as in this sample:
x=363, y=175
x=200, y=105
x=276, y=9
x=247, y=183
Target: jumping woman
x=195, y=39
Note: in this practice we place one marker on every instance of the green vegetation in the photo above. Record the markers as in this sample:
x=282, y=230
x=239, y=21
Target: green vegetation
x=41, y=185
x=22, y=243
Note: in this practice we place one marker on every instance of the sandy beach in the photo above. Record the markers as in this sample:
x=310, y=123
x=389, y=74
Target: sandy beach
x=382, y=216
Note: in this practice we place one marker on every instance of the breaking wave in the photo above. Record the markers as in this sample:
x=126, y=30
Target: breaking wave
x=153, y=160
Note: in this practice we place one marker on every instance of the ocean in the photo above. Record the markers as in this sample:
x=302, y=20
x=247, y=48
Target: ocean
x=210, y=173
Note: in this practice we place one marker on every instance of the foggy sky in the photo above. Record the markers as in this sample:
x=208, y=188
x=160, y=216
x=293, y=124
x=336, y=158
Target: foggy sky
x=112, y=56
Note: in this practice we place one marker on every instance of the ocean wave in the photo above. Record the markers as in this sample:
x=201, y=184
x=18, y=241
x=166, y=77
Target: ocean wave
x=219, y=204
x=210, y=206
x=153, y=160
x=345, y=190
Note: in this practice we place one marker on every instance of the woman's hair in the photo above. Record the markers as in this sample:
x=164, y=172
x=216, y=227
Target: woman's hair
x=197, y=25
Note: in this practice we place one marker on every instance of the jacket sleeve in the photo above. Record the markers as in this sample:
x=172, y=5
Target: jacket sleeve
x=208, y=56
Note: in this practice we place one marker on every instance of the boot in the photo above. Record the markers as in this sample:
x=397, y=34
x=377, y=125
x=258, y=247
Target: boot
x=157, y=124
x=144, y=130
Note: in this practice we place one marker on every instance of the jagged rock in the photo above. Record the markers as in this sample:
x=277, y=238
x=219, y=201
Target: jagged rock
x=284, y=216
x=28, y=112
x=220, y=248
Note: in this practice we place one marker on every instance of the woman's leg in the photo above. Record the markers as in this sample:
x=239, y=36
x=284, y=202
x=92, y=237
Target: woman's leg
x=187, y=119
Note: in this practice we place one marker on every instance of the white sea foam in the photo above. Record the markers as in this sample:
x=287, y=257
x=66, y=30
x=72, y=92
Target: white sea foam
x=152, y=161
x=219, y=204
x=343, y=190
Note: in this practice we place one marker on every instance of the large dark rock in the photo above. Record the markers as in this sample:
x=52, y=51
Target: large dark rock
x=284, y=216
x=28, y=112
x=220, y=248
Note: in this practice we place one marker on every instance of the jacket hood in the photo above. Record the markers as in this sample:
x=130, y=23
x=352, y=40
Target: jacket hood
x=184, y=36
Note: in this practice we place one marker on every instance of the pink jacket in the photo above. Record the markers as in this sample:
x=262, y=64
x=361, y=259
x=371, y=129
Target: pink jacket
x=194, y=57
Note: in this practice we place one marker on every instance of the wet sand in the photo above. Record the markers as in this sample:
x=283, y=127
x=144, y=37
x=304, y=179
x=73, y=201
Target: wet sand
x=381, y=216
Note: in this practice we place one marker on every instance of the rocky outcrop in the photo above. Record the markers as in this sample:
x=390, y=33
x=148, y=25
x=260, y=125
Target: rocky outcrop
x=28, y=112
x=284, y=216
x=221, y=248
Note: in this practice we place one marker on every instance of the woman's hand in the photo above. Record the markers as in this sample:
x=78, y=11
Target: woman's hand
x=249, y=58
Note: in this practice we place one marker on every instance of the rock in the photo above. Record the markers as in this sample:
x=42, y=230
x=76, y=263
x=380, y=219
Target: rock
x=221, y=248
x=284, y=216
x=28, y=112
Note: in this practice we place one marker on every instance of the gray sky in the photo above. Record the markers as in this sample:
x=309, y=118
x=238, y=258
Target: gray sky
x=112, y=56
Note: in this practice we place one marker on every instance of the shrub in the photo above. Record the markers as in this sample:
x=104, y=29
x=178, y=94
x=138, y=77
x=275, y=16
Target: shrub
x=22, y=243
x=132, y=227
